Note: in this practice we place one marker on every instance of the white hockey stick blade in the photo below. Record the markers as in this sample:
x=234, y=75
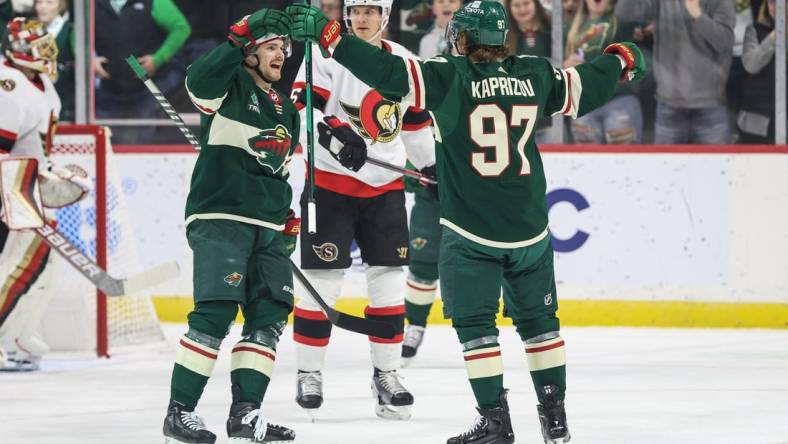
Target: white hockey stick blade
x=155, y=276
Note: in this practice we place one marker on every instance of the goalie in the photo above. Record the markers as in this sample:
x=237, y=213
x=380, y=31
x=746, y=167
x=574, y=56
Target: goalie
x=28, y=106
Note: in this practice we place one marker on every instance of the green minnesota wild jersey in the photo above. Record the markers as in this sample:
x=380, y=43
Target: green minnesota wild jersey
x=492, y=181
x=247, y=136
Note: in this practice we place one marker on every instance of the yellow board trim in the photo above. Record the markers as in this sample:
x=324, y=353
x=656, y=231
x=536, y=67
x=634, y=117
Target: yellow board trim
x=608, y=313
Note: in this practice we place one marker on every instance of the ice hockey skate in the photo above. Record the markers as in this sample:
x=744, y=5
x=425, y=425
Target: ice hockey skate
x=552, y=416
x=309, y=391
x=247, y=424
x=492, y=426
x=394, y=400
x=185, y=427
x=414, y=334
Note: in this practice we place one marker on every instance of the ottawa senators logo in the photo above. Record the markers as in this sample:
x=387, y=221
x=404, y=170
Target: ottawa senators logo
x=327, y=252
x=271, y=146
x=376, y=118
x=8, y=85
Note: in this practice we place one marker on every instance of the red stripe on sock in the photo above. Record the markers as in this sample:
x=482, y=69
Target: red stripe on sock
x=415, y=287
x=545, y=348
x=483, y=355
x=310, y=314
x=252, y=349
x=395, y=340
x=306, y=340
x=385, y=311
x=198, y=350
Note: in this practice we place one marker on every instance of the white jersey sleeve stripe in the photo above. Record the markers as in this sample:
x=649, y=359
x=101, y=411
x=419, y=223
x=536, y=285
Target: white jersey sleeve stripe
x=415, y=84
x=206, y=106
x=574, y=89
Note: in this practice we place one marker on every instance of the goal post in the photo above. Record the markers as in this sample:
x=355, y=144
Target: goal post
x=81, y=317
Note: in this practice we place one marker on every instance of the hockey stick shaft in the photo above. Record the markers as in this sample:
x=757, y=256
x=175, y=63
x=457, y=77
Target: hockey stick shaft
x=97, y=275
x=163, y=102
x=311, y=205
x=345, y=321
x=404, y=171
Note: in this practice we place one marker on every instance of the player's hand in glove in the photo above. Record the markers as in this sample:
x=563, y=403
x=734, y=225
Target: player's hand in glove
x=635, y=63
x=347, y=147
x=291, y=231
x=431, y=173
x=309, y=23
x=247, y=32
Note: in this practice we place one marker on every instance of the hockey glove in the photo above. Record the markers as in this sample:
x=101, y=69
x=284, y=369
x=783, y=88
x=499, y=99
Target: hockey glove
x=309, y=23
x=266, y=22
x=431, y=173
x=291, y=231
x=347, y=147
x=635, y=62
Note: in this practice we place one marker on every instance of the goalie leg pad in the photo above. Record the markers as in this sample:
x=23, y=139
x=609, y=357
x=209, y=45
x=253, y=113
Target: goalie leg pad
x=22, y=262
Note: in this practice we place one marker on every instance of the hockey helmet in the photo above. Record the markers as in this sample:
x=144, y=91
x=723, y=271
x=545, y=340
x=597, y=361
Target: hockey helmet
x=385, y=10
x=484, y=21
x=28, y=44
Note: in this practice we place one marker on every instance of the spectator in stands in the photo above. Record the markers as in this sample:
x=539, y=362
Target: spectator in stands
x=692, y=57
x=756, y=117
x=416, y=18
x=152, y=30
x=620, y=121
x=6, y=14
x=332, y=9
x=51, y=14
x=569, y=9
x=434, y=42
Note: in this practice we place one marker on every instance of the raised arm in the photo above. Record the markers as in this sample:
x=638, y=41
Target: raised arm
x=169, y=18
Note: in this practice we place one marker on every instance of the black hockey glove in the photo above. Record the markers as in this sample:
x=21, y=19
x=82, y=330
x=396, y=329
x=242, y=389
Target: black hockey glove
x=430, y=172
x=347, y=147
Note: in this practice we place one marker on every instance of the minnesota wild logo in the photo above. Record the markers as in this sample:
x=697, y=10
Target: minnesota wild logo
x=375, y=118
x=418, y=243
x=271, y=146
x=234, y=279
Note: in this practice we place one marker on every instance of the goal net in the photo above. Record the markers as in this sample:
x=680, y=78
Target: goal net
x=80, y=318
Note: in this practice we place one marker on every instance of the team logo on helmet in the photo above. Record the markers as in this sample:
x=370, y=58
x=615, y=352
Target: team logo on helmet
x=234, y=279
x=327, y=252
x=375, y=118
x=271, y=146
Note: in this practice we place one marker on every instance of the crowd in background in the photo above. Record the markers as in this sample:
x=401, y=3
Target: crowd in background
x=711, y=62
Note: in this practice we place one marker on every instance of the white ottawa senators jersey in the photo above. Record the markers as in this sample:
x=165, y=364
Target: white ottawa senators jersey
x=393, y=133
x=28, y=113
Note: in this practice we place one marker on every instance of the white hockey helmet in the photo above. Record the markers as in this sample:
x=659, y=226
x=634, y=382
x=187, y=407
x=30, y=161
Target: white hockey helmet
x=29, y=45
x=385, y=10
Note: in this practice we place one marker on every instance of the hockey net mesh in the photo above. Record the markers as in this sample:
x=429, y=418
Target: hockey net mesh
x=131, y=319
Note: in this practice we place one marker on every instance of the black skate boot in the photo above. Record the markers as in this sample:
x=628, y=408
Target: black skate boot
x=414, y=334
x=309, y=389
x=552, y=416
x=247, y=425
x=184, y=426
x=492, y=426
x=394, y=400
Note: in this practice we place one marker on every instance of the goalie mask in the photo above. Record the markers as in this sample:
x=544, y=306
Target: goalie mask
x=29, y=45
x=484, y=23
x=385, y=10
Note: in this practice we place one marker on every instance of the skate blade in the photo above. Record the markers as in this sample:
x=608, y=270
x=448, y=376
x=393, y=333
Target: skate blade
x=171, y=440
x=563, y=440
x=250, y=441
x=396, y=413
x=312, y=413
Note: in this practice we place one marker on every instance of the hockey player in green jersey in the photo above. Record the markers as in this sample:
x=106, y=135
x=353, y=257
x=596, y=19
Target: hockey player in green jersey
x=492, y=189
x=238, y=227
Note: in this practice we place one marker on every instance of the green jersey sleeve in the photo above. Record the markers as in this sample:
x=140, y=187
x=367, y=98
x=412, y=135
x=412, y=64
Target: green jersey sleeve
x=209, y=78
x=423, y=85
x=578, y=91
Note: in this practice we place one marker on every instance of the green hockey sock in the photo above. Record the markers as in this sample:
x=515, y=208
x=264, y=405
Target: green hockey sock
x=419, y=296
x=485, y=370
x=252, y=364
x=194, y=364
x=546, y=356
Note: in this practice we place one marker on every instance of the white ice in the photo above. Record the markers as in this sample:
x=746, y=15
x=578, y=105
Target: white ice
x=625, y=386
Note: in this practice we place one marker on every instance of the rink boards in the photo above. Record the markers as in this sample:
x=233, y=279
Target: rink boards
x=692, y=236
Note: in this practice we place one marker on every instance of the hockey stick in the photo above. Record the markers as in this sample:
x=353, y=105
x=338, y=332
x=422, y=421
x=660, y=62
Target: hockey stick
x=311, y=205
x=404, y=171
x=98, y=276
x=369, y=327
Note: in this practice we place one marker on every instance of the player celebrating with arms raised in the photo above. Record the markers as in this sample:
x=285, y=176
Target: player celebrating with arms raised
x=366, y=204
x=237, y=205
x=492, y=189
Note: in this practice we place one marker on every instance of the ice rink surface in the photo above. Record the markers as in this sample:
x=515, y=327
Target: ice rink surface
x=625, y=386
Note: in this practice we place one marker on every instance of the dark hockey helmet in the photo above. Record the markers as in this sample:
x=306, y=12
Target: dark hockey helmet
x=484, y=22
